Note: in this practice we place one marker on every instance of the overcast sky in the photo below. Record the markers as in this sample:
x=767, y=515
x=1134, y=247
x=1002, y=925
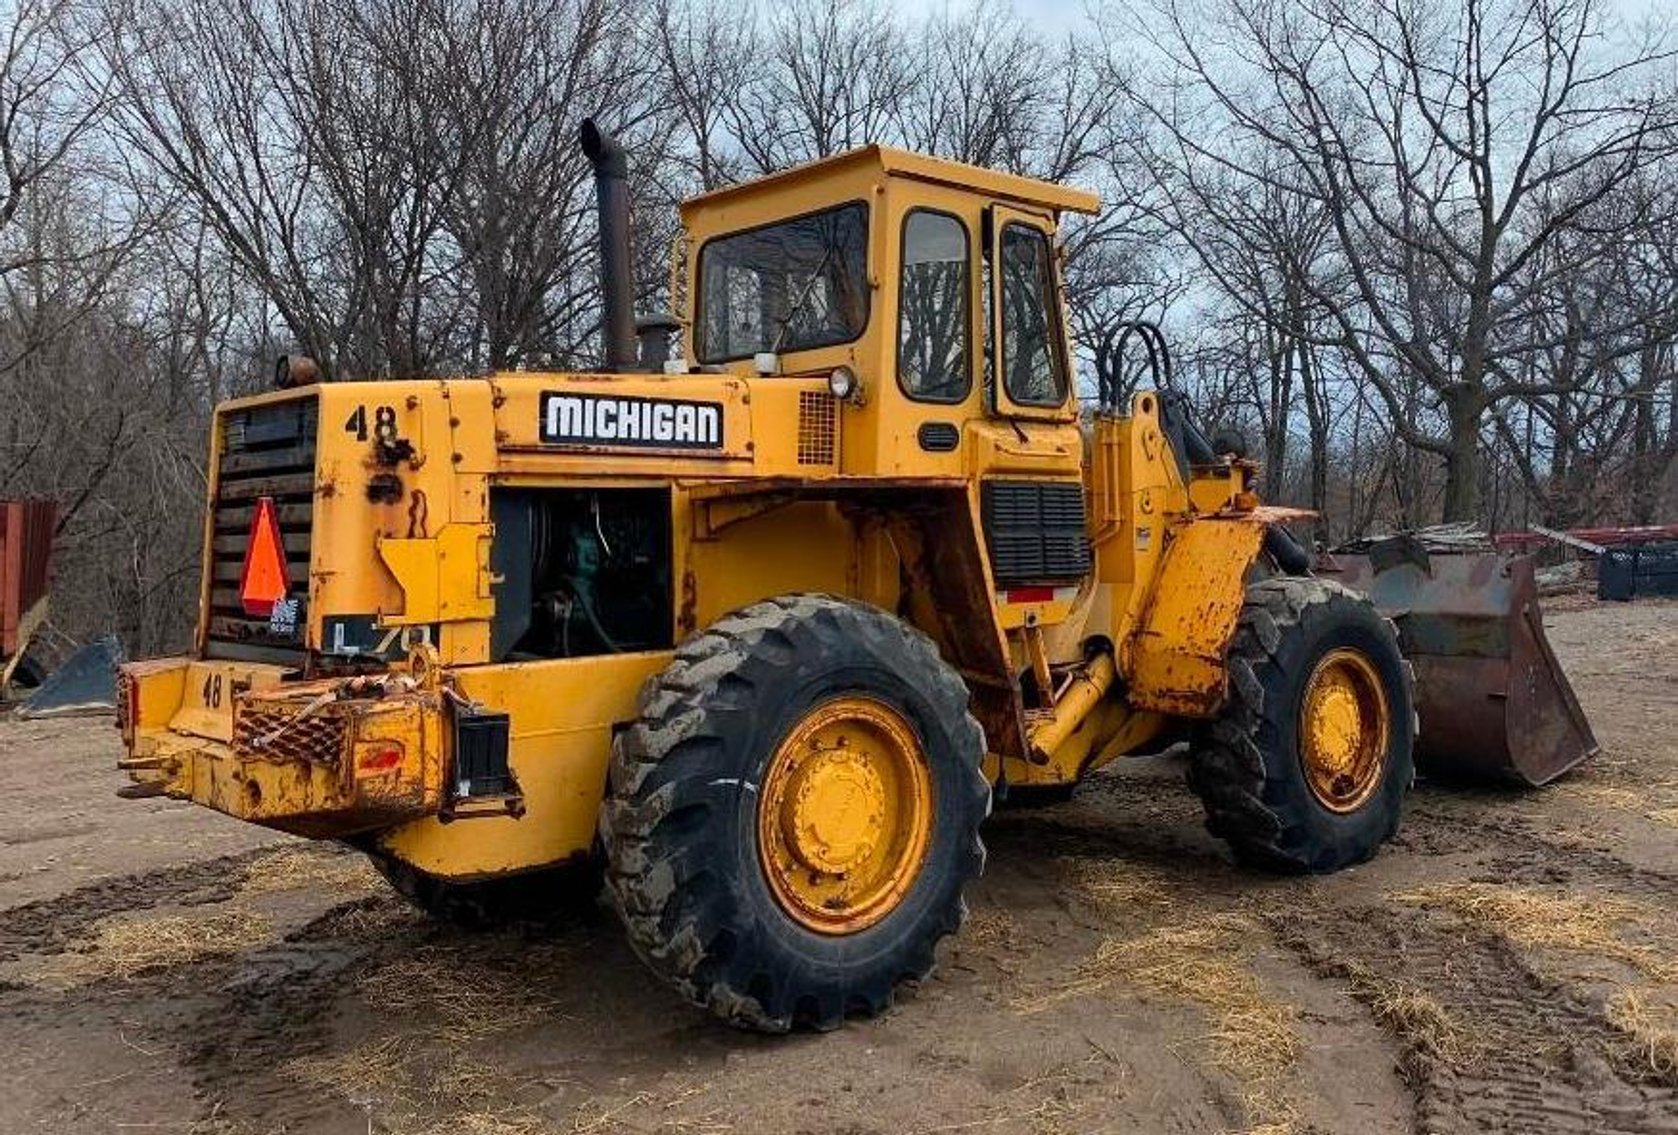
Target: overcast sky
x=1050, y=15
x=1057, y=15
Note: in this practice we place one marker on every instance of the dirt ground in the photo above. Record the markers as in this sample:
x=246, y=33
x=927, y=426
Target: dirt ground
x=1508, y=965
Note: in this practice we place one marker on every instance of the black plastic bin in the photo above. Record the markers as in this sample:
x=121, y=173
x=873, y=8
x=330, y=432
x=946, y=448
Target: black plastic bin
x=1632, y=571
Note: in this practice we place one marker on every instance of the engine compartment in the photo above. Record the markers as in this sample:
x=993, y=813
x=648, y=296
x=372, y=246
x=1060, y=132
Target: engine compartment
x=582, y=572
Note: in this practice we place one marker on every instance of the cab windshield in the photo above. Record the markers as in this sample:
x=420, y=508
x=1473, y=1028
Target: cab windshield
x=786, y=286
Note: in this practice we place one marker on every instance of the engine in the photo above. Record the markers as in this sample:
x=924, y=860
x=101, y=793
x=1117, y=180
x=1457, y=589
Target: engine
x=581, y=572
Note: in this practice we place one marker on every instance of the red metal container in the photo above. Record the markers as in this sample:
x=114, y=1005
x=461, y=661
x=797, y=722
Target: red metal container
x=26, y=531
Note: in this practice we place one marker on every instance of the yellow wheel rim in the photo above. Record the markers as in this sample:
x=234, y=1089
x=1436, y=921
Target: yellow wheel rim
x=845, y=815
x=1343, y=727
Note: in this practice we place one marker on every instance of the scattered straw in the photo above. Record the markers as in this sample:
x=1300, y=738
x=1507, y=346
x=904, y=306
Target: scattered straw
x=1113, y=886
x=415, y=1074
x=1416, y=1016
x=512, y=1121
x=1202, y=962
x=122, y=948
x=376, y=1070
x=1667, y=816
x=1605, y=795
x=1651, y=1029
x=406, y=1077
x=594, y=1116
x=467, y=1001
x=1412, y=1013
x=1046, y=1102
x=309, y=866
x=1590, y=924
x=991, y=926
x=1637, y=801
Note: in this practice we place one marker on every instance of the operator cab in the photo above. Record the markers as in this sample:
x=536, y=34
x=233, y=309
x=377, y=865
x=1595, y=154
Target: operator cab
x=911, y=282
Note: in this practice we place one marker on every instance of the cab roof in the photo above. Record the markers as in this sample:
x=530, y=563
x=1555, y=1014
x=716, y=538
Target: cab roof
x=918, y=167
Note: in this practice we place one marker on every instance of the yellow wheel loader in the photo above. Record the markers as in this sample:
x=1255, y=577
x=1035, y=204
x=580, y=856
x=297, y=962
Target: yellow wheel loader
x=763, y=625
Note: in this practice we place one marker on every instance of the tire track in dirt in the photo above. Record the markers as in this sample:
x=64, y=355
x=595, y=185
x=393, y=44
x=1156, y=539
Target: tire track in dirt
x=232, y=1019
x=273, y=1005
x=1520, y=853
x=1500, y=1046
x=318, y=999
x=50, y=926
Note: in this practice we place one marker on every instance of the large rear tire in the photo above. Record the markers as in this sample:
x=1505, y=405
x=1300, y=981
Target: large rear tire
x=791, y=821
x=1307, y=768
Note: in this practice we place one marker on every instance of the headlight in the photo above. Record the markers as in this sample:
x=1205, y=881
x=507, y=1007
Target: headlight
x=843, y=383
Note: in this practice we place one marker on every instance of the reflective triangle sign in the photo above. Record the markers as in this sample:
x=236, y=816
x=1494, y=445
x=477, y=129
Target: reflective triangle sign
x=263, y=582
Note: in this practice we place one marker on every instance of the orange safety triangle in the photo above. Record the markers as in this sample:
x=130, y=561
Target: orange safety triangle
x=262, y=583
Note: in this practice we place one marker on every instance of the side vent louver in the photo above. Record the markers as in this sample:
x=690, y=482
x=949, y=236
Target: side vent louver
x=938, y=437
x=817, y=421
x=1035, y=531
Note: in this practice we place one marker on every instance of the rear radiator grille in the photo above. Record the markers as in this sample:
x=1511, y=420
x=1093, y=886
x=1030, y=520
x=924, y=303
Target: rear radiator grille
x=1035, y=531
x=816, y=423
x=289, y=735
x=267, y=451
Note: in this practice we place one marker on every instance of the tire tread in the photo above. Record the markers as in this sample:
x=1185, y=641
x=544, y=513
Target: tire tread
x=676, y=741
x=1228, y=768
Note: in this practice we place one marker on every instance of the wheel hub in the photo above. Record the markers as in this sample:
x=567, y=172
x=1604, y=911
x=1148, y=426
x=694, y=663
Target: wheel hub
x=845, y=815
x=1343, y=728
x=836, y=811
x=1338, y=730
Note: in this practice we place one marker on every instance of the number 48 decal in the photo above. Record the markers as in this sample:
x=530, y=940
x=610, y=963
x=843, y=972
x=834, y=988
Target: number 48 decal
x=384, y=422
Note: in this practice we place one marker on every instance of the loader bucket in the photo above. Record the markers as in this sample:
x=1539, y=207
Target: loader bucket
x=1492, y=702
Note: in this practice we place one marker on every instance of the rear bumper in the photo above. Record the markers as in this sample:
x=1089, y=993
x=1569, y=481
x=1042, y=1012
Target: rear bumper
x=319, y=759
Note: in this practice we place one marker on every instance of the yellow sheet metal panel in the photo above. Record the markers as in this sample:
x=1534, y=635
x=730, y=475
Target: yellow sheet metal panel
x=803, y=545
x=878, y=160
x=1136, y=495
x=1175, y=661
x=562, y=715
x=803, y=426
x=1221, y=488
x=1047, y=449
x=384, y=469
x=149, y=693
x=208, y=692
x=472, y=439
x=444, y=578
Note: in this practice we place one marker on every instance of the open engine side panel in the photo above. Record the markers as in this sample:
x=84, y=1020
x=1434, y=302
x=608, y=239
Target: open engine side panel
x=581, y=572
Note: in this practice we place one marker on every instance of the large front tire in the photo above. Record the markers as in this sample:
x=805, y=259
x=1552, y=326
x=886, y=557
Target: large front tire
x=791, y=821
x=1307, y=768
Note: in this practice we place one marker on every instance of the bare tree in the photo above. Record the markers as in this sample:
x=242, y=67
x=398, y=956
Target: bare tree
x=827, y=77
x=703, y=49
x=1426, y=133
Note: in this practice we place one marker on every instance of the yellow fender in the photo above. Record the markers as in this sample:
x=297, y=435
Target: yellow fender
x=1175, y=659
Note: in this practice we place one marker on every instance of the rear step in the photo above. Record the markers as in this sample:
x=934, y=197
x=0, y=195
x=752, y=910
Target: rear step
x=1492, y=699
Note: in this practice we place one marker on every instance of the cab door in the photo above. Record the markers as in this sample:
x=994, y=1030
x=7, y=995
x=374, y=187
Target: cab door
x=1027, y=371
x=1031, y=492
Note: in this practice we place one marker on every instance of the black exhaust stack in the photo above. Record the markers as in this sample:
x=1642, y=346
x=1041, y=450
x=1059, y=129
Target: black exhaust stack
x=611, y=186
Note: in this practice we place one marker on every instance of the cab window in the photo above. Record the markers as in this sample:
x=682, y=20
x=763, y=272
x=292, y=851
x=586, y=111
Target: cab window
x=787, y=286
x=1030, y=353
x=934, y=308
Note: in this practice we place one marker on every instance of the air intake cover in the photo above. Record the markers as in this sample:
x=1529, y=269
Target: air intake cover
x=1035, y=531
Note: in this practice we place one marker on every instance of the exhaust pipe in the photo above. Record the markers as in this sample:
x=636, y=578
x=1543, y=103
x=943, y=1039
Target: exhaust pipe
x=611, y=187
